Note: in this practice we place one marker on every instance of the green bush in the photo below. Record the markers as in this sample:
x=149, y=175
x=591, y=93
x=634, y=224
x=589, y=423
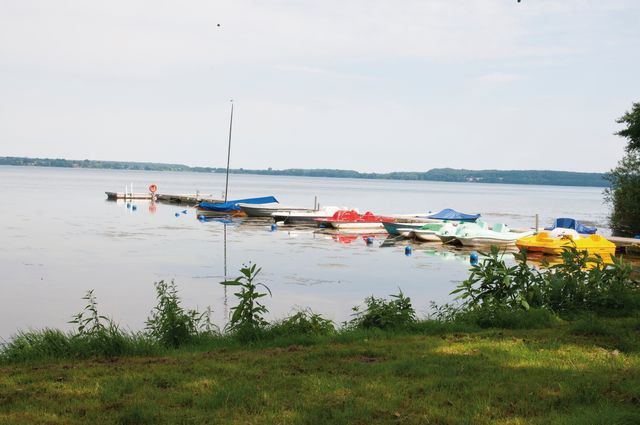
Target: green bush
x=384, y=314
x=494, y=284
x=171, y=324
x=304, y=322
x=579, y=283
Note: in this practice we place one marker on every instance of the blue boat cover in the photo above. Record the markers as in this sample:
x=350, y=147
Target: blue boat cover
x=230, y=206
x=572, y=223
x=449, y=214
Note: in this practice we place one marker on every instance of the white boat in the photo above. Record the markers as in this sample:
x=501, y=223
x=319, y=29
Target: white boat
x=430, y=231
x=306, y=217
x=472, y=234
x=266, y=210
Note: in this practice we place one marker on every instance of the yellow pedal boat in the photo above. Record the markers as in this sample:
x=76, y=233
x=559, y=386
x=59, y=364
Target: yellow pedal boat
x=553, y=243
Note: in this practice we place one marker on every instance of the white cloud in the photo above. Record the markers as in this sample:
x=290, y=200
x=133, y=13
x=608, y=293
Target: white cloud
x=499, y=78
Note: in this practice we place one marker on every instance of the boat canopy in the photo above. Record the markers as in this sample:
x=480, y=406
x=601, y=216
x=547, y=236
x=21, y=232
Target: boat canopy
x=572, y=223
x=449, y=214
x=230, y=206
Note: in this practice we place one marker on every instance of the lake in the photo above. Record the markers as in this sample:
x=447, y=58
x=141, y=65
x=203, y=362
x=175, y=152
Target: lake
x=60, y=237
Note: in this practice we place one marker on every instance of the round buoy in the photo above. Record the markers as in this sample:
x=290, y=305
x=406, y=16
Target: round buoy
x=128, y=205
x=134, y=207
x=177, y=214
x=473, y=258
x=407, y=250
x=184, y=211
x=273, y=227
x=369, y=240
x=153, y=188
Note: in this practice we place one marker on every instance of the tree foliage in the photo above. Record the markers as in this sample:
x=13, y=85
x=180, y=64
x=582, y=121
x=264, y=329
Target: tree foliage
x=624, y=194
x=632, y=130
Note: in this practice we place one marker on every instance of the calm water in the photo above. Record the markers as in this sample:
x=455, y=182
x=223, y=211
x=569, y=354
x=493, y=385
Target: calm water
x=60, y=237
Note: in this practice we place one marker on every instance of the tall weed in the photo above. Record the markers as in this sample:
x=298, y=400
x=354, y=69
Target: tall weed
x=247, y=318
x=171, y=324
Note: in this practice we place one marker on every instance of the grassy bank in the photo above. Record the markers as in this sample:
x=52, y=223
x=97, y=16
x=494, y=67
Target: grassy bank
x=582, y=372
x=523, y=346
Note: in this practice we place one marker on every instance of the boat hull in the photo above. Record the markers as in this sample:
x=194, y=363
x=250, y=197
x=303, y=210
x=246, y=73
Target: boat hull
x=266, y=211
x=544, y=243
x=209, y=213
x=483, y=241
x=296, y=220
x=448, y=239
x=425, y=236
x=355, y=225
x=392, y=226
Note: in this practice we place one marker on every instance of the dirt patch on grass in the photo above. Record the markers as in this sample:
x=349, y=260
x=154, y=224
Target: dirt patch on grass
x=362, y=358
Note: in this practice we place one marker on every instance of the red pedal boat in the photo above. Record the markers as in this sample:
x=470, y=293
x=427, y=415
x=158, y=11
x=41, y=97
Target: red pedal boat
x=346, y=219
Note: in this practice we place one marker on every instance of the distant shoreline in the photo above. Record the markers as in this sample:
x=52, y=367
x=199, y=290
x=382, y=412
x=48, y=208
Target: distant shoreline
x=530, y=177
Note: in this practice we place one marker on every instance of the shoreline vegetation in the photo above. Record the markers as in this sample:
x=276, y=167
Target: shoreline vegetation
x=560, y=344
x=532, y=177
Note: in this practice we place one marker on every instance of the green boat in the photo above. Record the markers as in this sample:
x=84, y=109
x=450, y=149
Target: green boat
x=430, y=232
x=392, y=226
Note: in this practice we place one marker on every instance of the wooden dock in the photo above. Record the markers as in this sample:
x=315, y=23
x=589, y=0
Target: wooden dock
x=181, y=198
x=628, y=246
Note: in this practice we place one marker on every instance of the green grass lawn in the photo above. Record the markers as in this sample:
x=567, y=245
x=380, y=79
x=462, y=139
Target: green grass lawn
x=566, y=374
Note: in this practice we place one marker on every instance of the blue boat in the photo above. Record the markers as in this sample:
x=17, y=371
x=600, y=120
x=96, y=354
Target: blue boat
x=453, y=215
x=572, y=223
x=231, y=207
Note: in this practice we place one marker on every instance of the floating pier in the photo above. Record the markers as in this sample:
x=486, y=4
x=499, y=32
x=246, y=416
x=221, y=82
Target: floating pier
x=182, y=198
x=122, y=195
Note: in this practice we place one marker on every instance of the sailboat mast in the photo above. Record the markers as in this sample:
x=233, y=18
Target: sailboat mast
x=226, y=183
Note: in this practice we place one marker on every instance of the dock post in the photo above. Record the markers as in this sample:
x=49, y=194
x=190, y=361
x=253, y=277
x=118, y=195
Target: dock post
x=315, y=202
x=537, y=221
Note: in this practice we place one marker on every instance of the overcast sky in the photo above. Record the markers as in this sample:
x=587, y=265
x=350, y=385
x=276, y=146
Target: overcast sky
x=361, y=84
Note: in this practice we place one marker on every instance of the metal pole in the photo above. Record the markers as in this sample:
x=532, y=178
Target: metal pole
x=226, y=305
x=226, y=184
x=536, y=223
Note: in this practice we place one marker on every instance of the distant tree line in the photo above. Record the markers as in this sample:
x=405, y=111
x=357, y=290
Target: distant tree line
x=536, y=177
